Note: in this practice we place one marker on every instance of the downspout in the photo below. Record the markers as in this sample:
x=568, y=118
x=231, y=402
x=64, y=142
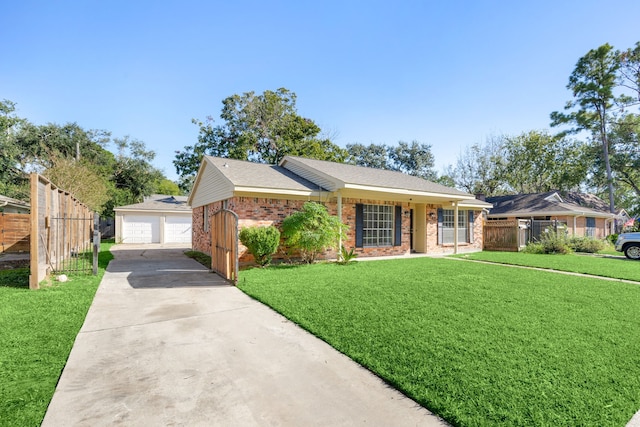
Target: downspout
x=455, y=227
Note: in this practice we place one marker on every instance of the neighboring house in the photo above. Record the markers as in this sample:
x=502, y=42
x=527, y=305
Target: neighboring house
x=388, y=213
x=9, y=205
x=583, y=214
x=159, y=219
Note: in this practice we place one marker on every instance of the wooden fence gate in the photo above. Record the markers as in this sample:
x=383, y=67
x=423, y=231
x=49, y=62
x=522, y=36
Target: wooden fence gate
x=224, y=245
x=14, y=232
x=504, y=235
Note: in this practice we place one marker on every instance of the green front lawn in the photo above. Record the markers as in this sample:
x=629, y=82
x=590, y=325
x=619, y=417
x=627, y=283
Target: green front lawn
x=615, y=267
x=37, y=330
x=478, y=344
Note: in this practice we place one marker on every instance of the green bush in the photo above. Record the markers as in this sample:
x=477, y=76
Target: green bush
x=312, y=230
x=534, y=248
x=551, y=242
x=346, y=256
x=612, y=238
x=261, y=242
x=586, y=244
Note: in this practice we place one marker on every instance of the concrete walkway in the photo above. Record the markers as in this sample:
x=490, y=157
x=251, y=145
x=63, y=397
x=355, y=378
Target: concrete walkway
x=167, y=343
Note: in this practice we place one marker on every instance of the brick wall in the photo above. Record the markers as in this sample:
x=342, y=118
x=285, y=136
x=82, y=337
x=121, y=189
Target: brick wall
x=432, y=234
x=255, y=211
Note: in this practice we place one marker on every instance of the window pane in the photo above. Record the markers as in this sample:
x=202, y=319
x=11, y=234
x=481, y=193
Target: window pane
x=448, y=216
x=377, y=225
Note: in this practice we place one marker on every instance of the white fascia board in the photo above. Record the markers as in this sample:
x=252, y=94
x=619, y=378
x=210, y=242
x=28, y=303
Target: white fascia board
x=474, y=203
x=304, y=193
x=451, y=197
x=156, y=211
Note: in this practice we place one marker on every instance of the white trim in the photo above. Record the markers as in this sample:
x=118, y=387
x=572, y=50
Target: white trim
x=406, y=192
x=279, y=191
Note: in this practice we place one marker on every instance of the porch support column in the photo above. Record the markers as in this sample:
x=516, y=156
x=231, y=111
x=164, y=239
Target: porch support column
x=455, y=227
x=339, y=206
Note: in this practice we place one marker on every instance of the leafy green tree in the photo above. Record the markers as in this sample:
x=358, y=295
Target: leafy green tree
x=414, y=159
x=261, y=128
x=624, y=138
x=261, y=242
x=41, y=144
x=81, y=179
x=168, y=187
x=592, y=83
x=629, y=74
x=312, y=230
x=134, y=176
x=13, y=182
x=536, y=162
x=371, y=156
x=478, y=168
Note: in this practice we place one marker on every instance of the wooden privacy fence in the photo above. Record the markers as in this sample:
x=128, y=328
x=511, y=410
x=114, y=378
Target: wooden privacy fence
x=224, y=244
x=62, y=230
x=14, y=232
x=504, y=235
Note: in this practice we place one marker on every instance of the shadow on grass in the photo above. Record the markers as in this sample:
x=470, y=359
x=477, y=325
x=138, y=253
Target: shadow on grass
x=19, y=277
x=16, y=278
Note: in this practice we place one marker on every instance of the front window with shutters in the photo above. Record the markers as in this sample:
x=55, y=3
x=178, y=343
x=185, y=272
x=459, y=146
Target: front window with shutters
x=377, y=225
x=448, y=216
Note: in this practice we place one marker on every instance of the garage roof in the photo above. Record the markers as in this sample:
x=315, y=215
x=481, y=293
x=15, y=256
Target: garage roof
x=159, y=202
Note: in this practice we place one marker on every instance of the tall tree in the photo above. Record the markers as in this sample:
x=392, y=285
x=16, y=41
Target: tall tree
x=630, y=71
x=414, y=159
x=134, y=172
x=371, y=156
x=261, y=128
x=592, y=83
x=625, y=161
x=13, y=182
x=81, y=179
x=478, y=169
x=536, y=162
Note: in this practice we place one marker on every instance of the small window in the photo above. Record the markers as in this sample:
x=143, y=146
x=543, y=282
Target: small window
x=205, y=218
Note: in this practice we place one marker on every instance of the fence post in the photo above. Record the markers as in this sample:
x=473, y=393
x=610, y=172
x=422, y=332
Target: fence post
x=96, y=242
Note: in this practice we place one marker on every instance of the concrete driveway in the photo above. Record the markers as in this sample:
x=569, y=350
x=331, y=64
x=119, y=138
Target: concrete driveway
x=167, y=343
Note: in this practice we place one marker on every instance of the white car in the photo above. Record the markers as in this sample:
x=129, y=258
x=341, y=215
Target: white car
x=629, y=243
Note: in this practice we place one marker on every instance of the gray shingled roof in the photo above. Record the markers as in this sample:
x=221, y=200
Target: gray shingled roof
x=359, y=175
x=248, y=174
x=14, y=202
x=159, y=202
x=536, y=204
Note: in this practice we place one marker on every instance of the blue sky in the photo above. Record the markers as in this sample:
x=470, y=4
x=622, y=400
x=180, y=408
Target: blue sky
x=447, y=73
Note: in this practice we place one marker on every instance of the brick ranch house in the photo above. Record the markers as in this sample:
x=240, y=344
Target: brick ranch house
x=388, y=213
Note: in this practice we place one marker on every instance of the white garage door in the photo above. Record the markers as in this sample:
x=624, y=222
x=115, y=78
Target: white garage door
x=140, y=229
x=177, y=229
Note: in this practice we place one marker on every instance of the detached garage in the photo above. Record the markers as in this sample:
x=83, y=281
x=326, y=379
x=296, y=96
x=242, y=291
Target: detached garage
x=159, y=219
